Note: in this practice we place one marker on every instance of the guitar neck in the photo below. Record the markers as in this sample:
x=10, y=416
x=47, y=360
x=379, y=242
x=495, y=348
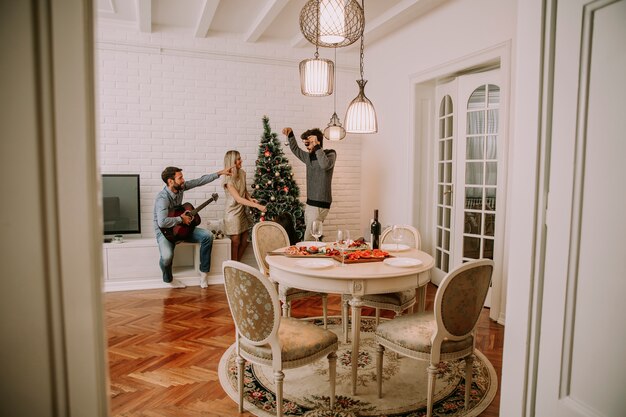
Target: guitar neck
x=203, y=205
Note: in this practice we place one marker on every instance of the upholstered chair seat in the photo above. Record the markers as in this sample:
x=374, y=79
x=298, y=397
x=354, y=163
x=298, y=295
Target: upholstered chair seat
x=446, y=333
x=298, y=341
x=414, y=332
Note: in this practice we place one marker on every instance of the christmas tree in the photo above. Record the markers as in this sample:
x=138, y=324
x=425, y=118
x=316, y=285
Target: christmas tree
x=274, y=185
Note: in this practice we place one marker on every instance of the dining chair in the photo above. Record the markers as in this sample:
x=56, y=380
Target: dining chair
x=266, y=237
x=265, y=338
x=395, y=301
x=445, y=334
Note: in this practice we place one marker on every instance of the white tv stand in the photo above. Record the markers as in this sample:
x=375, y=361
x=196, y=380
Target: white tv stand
x=134, y=264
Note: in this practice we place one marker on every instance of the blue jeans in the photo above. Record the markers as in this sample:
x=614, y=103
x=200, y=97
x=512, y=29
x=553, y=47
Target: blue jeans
x=166, y=249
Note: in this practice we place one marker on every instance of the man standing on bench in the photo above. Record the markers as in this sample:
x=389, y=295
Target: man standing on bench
x=172, y=196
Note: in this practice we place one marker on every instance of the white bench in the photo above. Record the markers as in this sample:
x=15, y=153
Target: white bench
x=134, y=264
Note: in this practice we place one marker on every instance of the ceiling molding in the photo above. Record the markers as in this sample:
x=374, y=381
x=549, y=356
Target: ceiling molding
x=137, y=47
x=269, y=13
x=206, y=17
x=144, y=15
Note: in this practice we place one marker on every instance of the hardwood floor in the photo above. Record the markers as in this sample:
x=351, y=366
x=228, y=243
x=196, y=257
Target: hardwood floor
x=164, y=347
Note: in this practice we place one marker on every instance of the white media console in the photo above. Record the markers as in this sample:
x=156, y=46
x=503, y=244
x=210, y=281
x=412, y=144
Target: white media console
x=134, y=264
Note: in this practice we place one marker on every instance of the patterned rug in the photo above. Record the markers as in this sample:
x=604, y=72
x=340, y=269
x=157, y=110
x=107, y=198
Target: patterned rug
x=404, y=384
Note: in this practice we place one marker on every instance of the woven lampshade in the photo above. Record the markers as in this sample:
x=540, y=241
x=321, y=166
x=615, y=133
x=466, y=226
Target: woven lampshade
x=361, y=116
x=338, y=22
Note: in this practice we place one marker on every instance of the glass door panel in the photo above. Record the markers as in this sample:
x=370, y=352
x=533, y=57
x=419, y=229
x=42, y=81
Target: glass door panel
x=444, y=177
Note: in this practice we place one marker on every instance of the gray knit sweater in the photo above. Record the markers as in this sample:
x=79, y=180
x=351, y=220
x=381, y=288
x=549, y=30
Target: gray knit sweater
x=319, y=173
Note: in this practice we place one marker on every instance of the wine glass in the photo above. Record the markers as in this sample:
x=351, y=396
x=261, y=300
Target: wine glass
x=316, y=230
x=343, y=240
x=397, y=235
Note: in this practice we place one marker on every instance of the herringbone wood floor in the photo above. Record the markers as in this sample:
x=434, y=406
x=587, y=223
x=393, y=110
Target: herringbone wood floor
x=164, y=347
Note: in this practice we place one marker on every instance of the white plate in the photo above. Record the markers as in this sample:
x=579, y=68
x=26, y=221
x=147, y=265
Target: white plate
x=309, y=243
x=402, y=262
x=315, y=263
x=392, y=247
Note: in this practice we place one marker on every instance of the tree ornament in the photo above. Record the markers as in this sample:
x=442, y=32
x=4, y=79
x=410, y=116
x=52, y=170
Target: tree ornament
x=267, y=153
x=286, y=189
x=272, y=198
x=277, y=174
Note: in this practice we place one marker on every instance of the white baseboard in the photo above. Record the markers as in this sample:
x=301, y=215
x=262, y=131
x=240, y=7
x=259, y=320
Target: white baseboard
x=157, y=283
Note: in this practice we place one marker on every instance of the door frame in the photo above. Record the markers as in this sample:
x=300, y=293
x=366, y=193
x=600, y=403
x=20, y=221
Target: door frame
x=420, y=151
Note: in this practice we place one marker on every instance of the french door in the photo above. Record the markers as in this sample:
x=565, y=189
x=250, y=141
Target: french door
x=469, y=154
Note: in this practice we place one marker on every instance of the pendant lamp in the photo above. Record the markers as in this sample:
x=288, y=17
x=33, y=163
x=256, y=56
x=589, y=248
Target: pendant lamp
x=317, y=74
x=332, y=23
x=335, y=131
x=361, y=116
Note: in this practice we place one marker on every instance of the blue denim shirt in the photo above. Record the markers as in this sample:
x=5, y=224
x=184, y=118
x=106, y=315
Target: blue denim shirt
x=167, y=200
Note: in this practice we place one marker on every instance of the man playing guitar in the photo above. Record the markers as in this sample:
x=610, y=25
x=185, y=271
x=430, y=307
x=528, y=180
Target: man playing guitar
x=169, y=197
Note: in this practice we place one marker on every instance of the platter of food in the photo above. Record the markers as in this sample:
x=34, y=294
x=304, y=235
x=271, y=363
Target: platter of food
x=297, y=251
x=353, y=245
x=362, y=256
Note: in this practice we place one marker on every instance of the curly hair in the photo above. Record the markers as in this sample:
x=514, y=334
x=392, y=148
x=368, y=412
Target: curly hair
x=314, y=132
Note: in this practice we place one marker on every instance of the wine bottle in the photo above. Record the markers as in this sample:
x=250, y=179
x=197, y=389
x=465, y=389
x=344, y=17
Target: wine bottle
x=375, y=230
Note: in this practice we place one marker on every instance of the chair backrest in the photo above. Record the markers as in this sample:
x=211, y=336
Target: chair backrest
x=266, y=237
x=253, y=302
x=412, y=236
x=460, y=299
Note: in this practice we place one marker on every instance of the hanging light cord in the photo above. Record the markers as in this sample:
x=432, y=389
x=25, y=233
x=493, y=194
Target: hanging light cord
x=317, y=30
x=335, y=78
x=362, y=36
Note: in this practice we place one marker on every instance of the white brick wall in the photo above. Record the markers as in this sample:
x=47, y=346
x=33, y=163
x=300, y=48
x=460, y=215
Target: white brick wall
x=175, y=101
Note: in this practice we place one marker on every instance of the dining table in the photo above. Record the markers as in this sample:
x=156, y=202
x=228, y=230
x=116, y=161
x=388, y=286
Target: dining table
x=400, y=271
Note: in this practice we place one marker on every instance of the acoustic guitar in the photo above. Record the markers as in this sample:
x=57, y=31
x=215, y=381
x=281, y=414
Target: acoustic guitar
x=182, y=231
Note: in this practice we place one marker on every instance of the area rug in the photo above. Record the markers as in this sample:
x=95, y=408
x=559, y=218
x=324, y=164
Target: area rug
x=306, y=389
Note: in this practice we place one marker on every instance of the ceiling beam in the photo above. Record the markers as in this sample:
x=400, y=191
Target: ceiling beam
x=264, y=20
x=395, y=17
x=398, y=16
x=206, y=17
x=144, y=15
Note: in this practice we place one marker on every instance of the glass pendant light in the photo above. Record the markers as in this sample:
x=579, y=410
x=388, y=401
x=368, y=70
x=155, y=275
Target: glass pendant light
x=361, y=116
x=335, y=131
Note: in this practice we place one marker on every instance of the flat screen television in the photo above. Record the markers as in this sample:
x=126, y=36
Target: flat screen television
x=121, y=208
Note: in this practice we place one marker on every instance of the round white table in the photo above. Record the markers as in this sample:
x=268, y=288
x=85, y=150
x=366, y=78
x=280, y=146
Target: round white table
x=357, y=279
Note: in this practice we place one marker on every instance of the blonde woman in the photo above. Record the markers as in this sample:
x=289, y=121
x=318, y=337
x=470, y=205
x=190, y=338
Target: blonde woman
x=236, y=222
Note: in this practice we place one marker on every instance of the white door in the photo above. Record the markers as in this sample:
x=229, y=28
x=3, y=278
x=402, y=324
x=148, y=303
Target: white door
x=445, y=99
x=469, y=155
x=581, y=367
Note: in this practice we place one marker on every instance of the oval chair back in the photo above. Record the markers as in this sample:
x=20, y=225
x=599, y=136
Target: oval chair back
x=253, y=304
x=266, y=237
x=459, y=301
x=412, y=236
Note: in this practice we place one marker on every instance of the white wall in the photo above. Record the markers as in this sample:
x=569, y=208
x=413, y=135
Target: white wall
x=172, y=100
x=449, y=32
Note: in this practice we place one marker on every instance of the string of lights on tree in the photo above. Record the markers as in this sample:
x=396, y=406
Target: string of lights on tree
x=274, y=185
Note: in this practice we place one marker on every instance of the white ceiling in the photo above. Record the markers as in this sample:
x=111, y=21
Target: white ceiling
x=275, y=21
